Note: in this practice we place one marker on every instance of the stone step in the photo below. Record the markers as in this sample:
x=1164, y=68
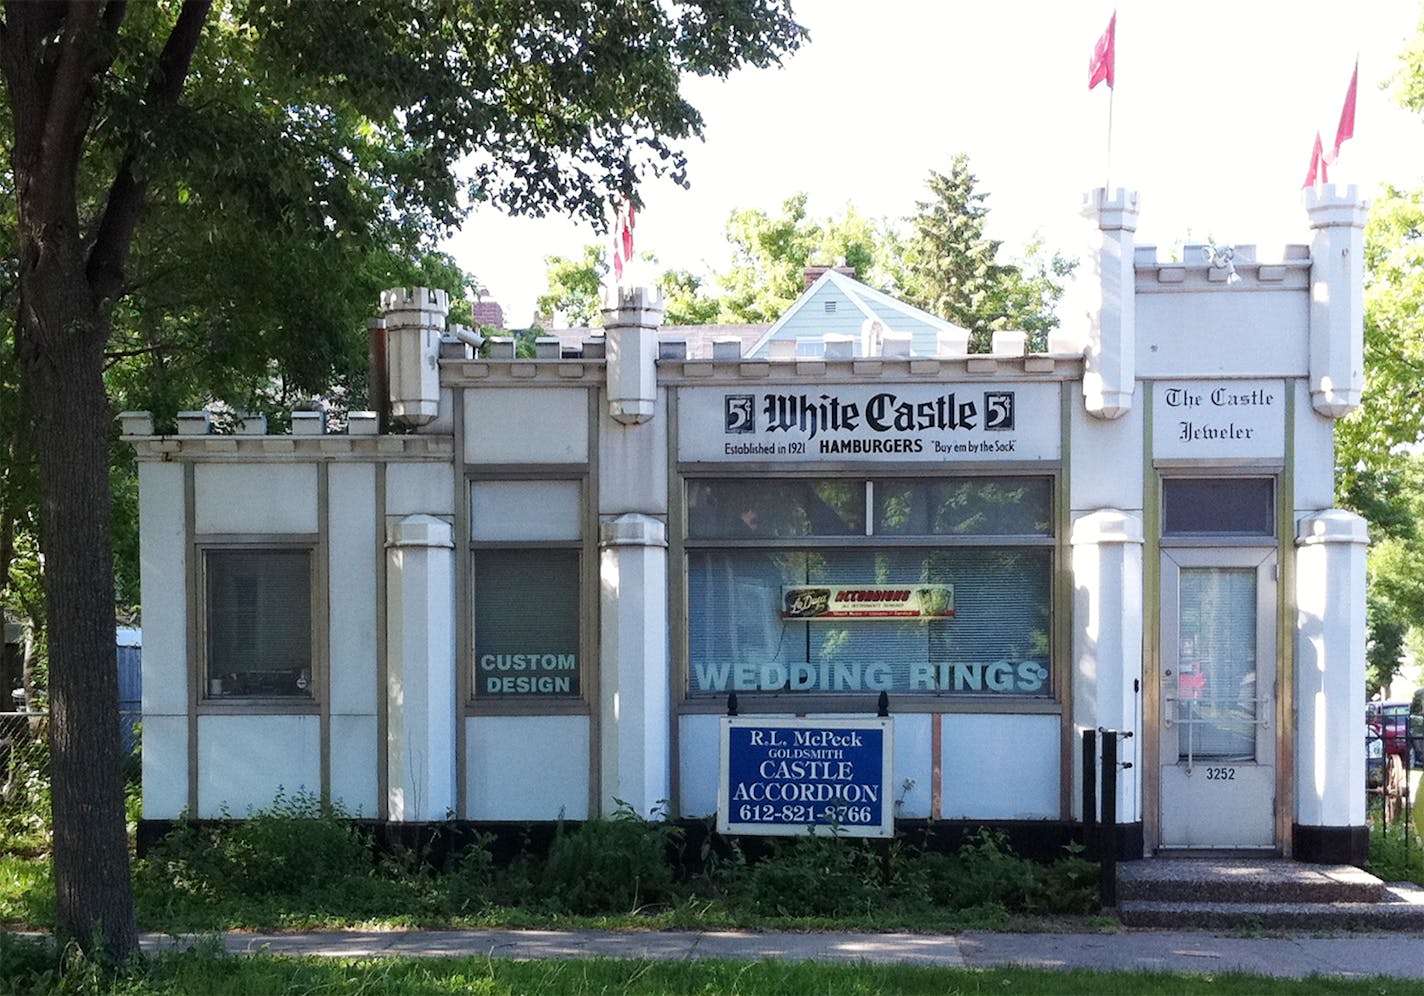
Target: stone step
x=1402, y=909
x=1244, y=880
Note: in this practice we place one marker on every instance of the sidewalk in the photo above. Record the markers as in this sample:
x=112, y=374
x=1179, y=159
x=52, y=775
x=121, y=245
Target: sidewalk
x=1401, y=956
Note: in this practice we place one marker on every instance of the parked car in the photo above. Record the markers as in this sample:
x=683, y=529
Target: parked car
x=1414, y=729
x=1374, y=754
x=1392, y=721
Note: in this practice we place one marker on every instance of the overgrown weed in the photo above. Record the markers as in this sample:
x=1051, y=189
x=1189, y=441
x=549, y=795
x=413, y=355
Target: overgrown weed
x=300, y=863
x=1396, y=852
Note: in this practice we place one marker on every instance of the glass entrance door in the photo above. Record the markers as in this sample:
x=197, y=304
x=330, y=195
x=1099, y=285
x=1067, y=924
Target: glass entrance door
x=1218, y=671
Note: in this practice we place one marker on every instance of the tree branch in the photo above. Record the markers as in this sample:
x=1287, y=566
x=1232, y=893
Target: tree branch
x=114, y=12
x=69, y=92
x=110, y=251
x=113, y=356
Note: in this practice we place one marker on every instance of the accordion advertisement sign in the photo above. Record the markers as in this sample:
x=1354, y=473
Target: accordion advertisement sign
x=816, y=602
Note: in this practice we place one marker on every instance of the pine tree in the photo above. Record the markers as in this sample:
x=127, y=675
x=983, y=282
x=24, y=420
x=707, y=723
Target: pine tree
x=952, y=267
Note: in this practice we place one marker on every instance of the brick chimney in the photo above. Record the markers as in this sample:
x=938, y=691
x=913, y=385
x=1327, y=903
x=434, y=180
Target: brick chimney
x=813, y=273
x=488, y=313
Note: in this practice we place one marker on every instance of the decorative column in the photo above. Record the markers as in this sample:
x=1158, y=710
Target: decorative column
x=630, y=325
x=634, y=744
x=1110, y=367
x=420, y=668
x=1337, y=308
x=1107, y=642
x=633, y=656
x=1330, y=688
x=415, y=319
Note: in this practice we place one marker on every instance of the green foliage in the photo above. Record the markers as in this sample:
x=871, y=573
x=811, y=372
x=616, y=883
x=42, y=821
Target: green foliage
x=685, y=300
x=574, y=297
x=1379, y=475
x=33, y=966
x=294, y=848
x=25, y=803
x=770, y=256
x=26, y=890
x=617, y=864
x=820, y=875
x=299, y=863
x=832, y=876
x=1396, y=852
x=952, y=268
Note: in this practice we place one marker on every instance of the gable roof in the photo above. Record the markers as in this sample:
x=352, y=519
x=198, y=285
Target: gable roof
x=803, y=320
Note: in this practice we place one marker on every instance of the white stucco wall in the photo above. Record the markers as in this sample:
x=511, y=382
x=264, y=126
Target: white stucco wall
x=527, y=767
x=165, y=766
x=540, y=425
x=420, y=489
x=255, y=498
x=1000, y=767
x=353, y=765
x=1232, y=331
x=245, y=761
x=355, y=559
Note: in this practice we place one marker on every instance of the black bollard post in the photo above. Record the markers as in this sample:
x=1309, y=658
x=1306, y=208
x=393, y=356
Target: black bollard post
x=1107, y=876
x=1090, y=792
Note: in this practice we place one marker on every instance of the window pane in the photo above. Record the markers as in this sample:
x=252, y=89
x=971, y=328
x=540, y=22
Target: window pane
x=737, y=509
x=526, y=623
x=997, y=643
x=1236, y=506
x=259, y=623
x=971, y=506
x=524, y=510
x=1216, y=664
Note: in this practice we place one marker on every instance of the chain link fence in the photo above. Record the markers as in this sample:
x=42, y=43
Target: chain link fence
x=24, y=758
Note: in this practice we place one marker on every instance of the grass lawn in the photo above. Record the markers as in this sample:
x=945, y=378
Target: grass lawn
x=209, y=972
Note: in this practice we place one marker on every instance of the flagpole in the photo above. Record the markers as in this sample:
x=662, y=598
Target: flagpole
x=1107, y=177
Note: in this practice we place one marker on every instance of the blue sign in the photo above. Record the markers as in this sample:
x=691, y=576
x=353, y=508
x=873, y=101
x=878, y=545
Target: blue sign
x=797, y=776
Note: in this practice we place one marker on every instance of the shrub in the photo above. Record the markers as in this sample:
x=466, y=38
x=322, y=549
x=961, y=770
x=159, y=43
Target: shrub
x=469, y=884
x=990, y=872
x=611, y=865
x=294, y=847
x=823, y=874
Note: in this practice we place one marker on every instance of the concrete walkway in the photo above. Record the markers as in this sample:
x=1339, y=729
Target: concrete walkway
x=1178, y=951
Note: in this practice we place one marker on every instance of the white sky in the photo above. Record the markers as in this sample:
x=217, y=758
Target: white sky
x=1216, y=108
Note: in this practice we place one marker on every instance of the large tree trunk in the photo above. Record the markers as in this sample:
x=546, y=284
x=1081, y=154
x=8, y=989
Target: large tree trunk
x=63, y=341
x=54, y=56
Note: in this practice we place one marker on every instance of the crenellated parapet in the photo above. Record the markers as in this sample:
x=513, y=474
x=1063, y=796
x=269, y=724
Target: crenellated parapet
x=1221, y=268
x=415, y=322
x=310, y=439
x=1111, y=371
x=1337, y=306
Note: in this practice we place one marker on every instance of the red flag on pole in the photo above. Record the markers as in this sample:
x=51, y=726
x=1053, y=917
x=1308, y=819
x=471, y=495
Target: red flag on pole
x=624, y=214
x=1100, y=68
x=1346, y=129
x=630, y=216
x=1317, y=166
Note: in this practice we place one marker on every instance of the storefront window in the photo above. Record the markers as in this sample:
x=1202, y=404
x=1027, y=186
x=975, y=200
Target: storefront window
x=1224, y=506
x=258, y=624
x=738, y=509
x=976, y=506
x=526, y=557
x=947, y=615
x=526, y=622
